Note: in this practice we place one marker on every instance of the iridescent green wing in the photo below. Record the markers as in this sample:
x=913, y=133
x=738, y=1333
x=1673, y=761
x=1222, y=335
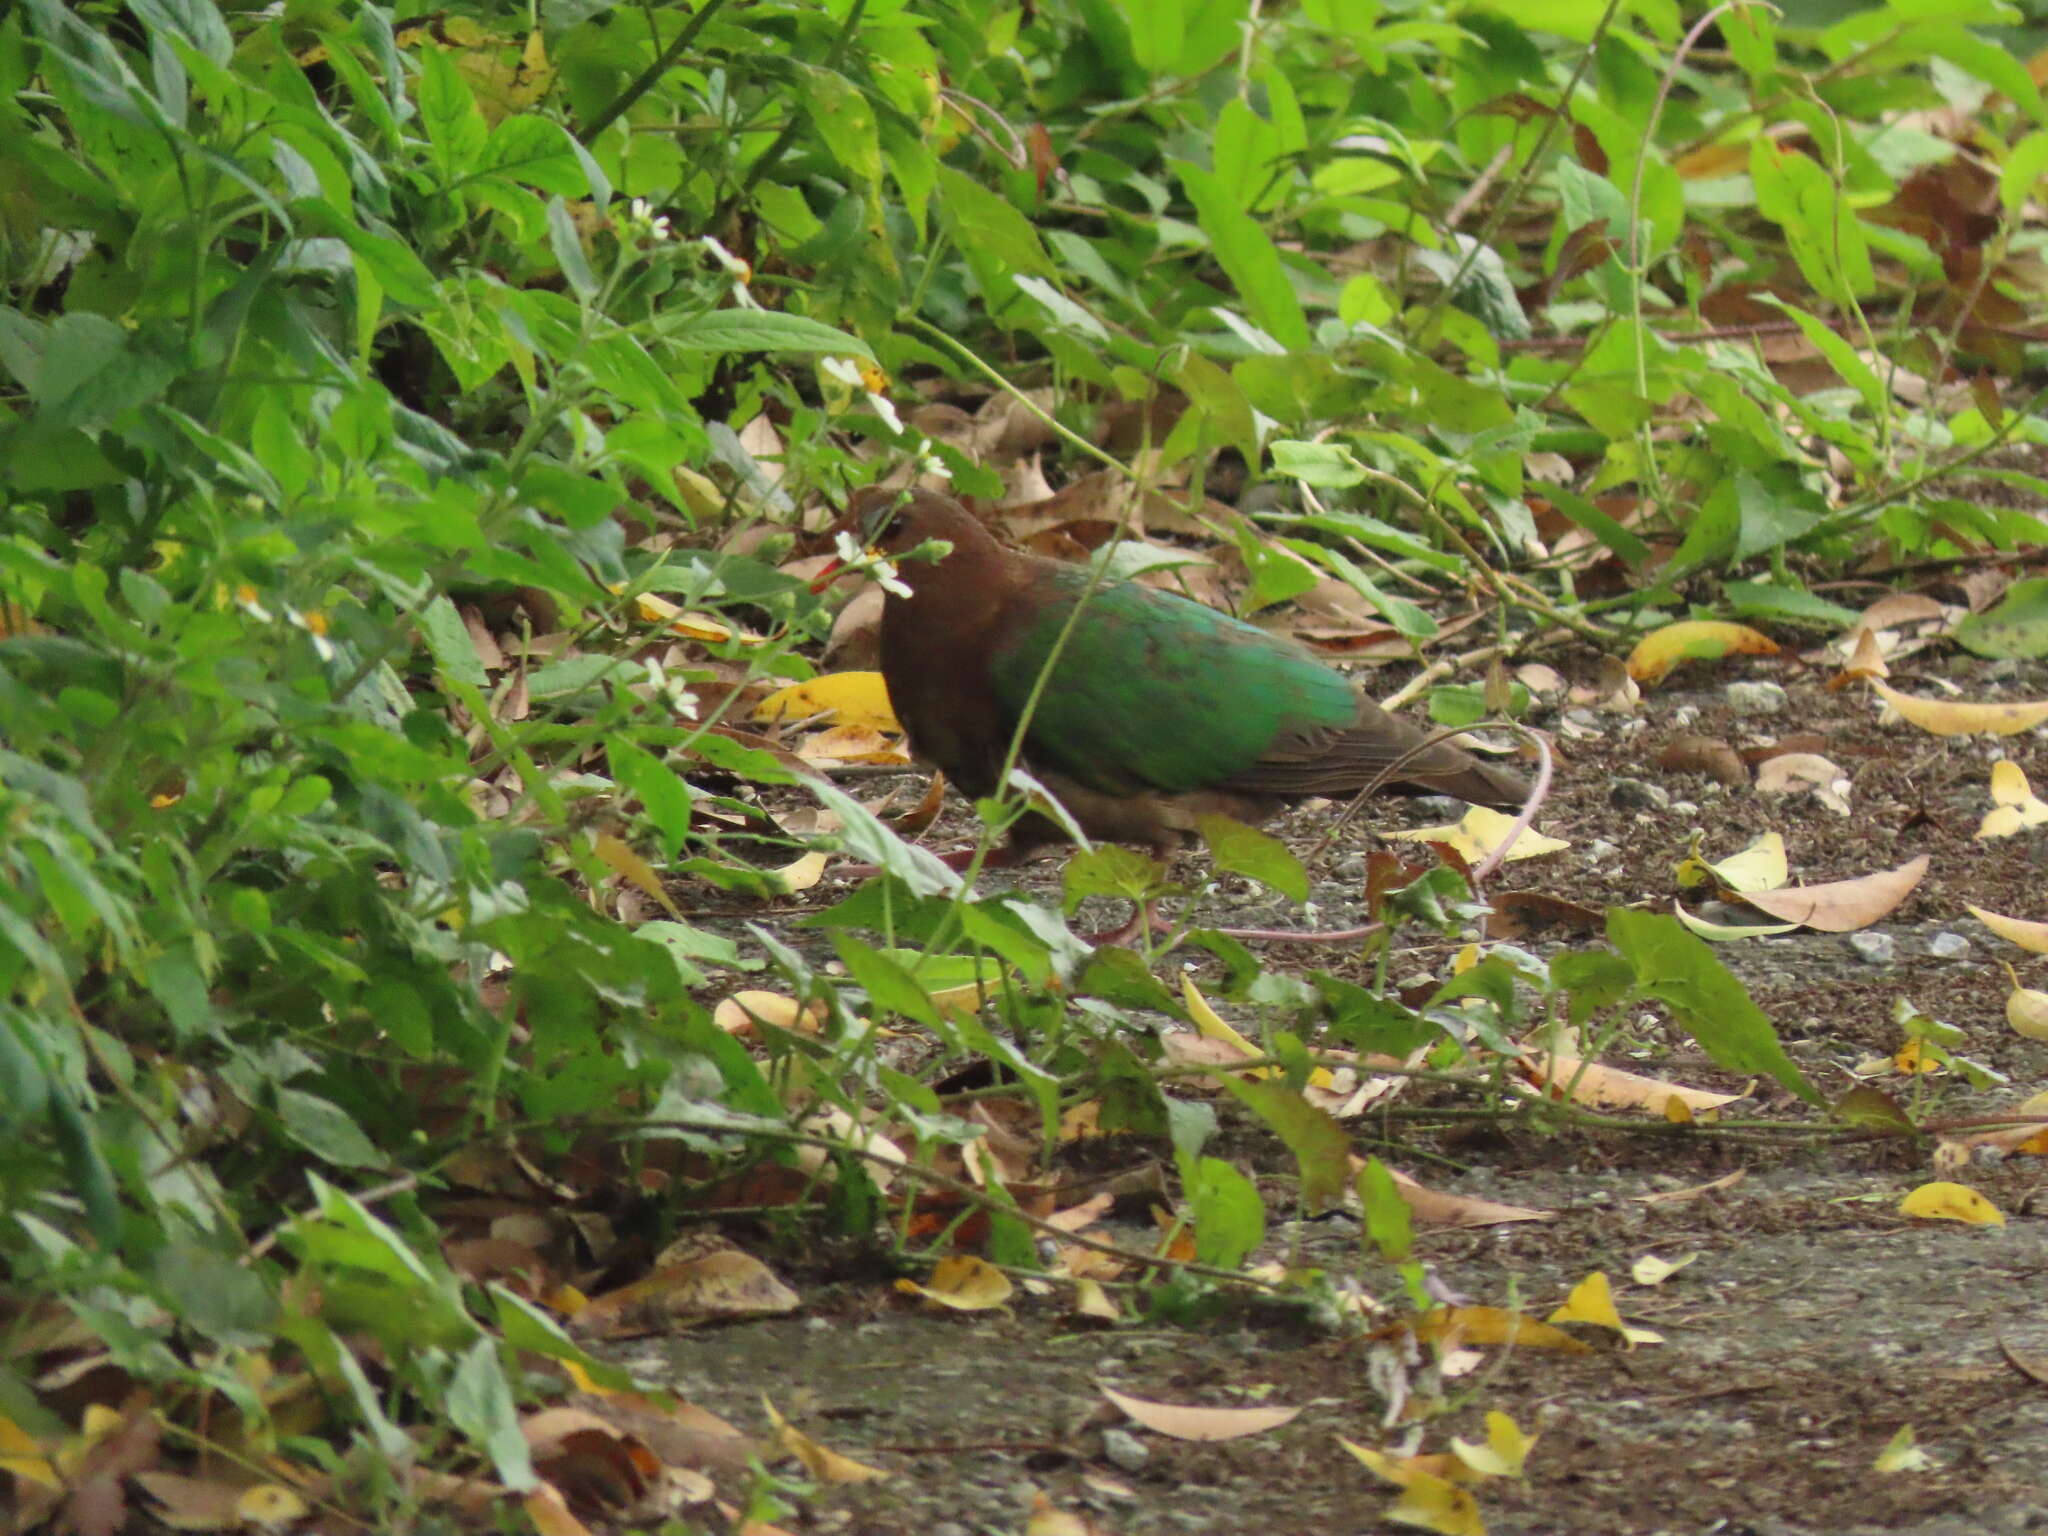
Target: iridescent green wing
x=1153, y=692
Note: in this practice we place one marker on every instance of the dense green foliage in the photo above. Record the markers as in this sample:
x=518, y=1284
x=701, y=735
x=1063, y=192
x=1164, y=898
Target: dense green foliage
x=312, y=324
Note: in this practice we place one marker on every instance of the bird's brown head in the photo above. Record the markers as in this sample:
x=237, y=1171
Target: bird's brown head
x=896, y=522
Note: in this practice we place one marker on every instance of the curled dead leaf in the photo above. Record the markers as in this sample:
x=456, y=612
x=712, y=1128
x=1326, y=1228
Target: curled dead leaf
x=1709, y=755
x=1841, y=906
x=1180, y=1421
x=1792, y=773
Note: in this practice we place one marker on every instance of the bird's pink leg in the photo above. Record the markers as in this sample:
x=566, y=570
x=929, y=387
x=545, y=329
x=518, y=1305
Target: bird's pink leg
x=1001, y=857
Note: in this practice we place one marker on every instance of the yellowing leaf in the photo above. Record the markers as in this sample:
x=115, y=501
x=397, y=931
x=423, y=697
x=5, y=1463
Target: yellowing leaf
x=1494, y=1325
x=746, y=1011
x=691, y=626
x=21, y=1455
x=619, y=857
x=1761, y=866
x=2026, y=1009
x=1694, y=640
x=1592, y=1301
x=2016, y=807
x=1432, y=1504
x=1505, y=1452
x=270, y=1504
x=1902, y=1453
x=824, y=1464
x=963, y=1283
x=1651, y=1270
x=1947, y=717
x=848, y=698
x=2016, y=930
x=1211, y=1025
x=1943, y=1201
x=1478, y=832
x=1727, y=933
x=802, y=873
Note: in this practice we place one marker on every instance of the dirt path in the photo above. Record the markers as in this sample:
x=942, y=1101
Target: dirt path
x=1814, y=1324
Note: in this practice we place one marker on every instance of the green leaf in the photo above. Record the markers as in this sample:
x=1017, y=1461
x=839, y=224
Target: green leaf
x=991, y=226
x=890, y=988
x=323, y=1128
x=1680, y=971
x=922, y=871
x=480, y=1405
x=1229, y=1216
x=1389, y=1222
x=1111, y=870
x=2017, y=626
x=759, y=330
x=1244, y=850
x=1248, y=256
x=567, y=243
x=448, y=111
x=663, y=796
x=1321, y=1147
x=450, y=642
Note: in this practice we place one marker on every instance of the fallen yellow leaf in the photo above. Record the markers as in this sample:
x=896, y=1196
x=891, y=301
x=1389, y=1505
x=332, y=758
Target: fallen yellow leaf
x=848, y=698
x=1478, y=832
x=1694, y=640
x=1943, y=1201
x=1954, y=717
x=2017, y=930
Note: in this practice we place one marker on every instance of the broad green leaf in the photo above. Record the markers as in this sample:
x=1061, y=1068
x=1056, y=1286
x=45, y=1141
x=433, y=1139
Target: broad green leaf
x=1244, y=850
x=1248, y=255
x=1681, y=972
x=760, y=330
x=480, y=1404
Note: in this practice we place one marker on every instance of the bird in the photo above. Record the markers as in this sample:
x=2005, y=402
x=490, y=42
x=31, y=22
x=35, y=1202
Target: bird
x=1157, y=711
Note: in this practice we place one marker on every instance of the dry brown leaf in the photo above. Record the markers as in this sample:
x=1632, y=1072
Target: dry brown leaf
x=820, y=1461
x=1693, y=1192
x=1866, y=660
x=720, y=1284
x=549, y=1511
x=1791, y=773
x=1520, y=914
x=588, y=1458
x=1841, y=906
x=1434, y=1208
x=1609, y=1087
x=1048, y=1519
x=1180, y=1421
x=1896, y=609
x=1704, y=754
x=1493, y=1325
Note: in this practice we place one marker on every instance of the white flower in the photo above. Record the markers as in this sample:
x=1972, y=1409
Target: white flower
x=844, y=369
x=886, y=578
x=886, y=411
